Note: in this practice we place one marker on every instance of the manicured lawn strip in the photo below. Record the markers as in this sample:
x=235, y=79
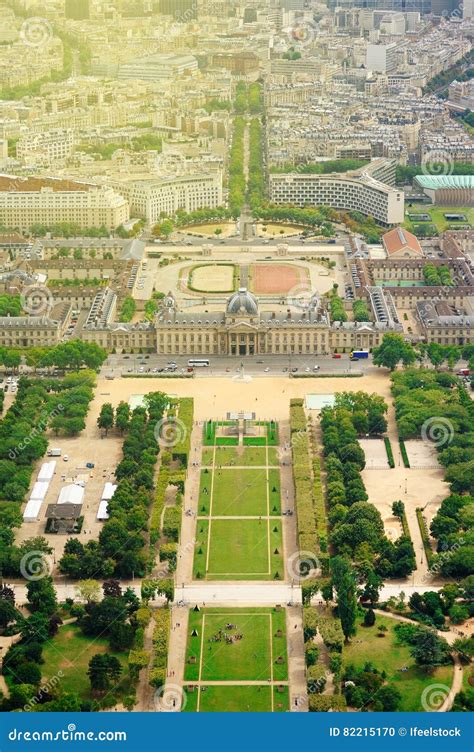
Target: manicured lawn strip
x=245, y=456
x=254, y=441
x=388, y=655
x=200, y=551
x=247, y=659
x=209, y=433
x=238, y=699
x=207, y=456
x=70, y=652
x=279, y=646
x=190, y=700
x=244, y=660
x=239, y=492
x=227, y=441
x=205, y=492
x=273, y=458
x=275, y=495
x=238, y=547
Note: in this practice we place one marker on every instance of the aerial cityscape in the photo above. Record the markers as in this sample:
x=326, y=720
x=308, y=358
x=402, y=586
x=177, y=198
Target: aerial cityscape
x=236, y=356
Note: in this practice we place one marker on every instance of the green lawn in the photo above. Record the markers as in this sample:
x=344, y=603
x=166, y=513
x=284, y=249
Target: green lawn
x=246, y=456
x=239, y=550
x=437, y=216
x=210, y=429
x=238, y=699
x=207, y=456
x=239, y=547
x=254, y=657
x=239, y=492
x=274, y=491
x=70, y=652
x=389, y=655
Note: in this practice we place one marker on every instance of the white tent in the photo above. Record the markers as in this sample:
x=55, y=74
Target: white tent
x=108, y=492
x=32, y=510
x=72, y=494
x=102, y=513
x=47, y=470
x=39, y=490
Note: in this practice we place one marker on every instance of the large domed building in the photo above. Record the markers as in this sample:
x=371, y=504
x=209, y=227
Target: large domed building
x=242, y=302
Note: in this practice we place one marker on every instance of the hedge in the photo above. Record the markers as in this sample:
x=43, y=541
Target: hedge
x=161, y=632
x=158, y=504
x=172, y=523
x=186, y=418
x=388, y=449
x=325, y=703
x=316, y=678
x=425, y=537
x=403, y=450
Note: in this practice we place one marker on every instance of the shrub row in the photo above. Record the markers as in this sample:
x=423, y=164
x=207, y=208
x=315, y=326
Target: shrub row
x=186, y=418
x=425, y=536
x=388, y=449
x=404, y=453
x=161, y=633
x=306, y=521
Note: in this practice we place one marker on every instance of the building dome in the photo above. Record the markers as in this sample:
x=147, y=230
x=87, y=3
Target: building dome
x=242, y=301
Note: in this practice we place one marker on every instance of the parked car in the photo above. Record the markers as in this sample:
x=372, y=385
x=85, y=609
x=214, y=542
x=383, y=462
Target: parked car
x=66, y=458
x=337, y=356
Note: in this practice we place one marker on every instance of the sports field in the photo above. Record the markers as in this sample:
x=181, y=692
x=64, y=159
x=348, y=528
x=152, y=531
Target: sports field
x=239, y=525
x=277, y=279
x=236, y=659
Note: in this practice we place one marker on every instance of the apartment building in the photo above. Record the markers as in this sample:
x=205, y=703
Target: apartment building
x=47, y=149
x=47, y=201
x=149, y=198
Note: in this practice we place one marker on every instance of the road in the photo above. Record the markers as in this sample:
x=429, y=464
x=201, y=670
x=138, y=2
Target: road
x=220, y=365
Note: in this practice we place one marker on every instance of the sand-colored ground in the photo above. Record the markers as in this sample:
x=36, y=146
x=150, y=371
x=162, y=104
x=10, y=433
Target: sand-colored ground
x=422, y=454
x=87, y=447
x=273, y=229
x=375, y=454
x=227, y=229
x=275, y=279
x=212, y=278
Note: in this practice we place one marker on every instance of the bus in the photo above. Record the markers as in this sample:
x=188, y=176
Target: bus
x=198, y=363
x=359, y=354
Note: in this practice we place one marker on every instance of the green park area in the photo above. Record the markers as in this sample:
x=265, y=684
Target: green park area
x=69, y=652
x=247, y=456
x=388, y=653
x=247, y=646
